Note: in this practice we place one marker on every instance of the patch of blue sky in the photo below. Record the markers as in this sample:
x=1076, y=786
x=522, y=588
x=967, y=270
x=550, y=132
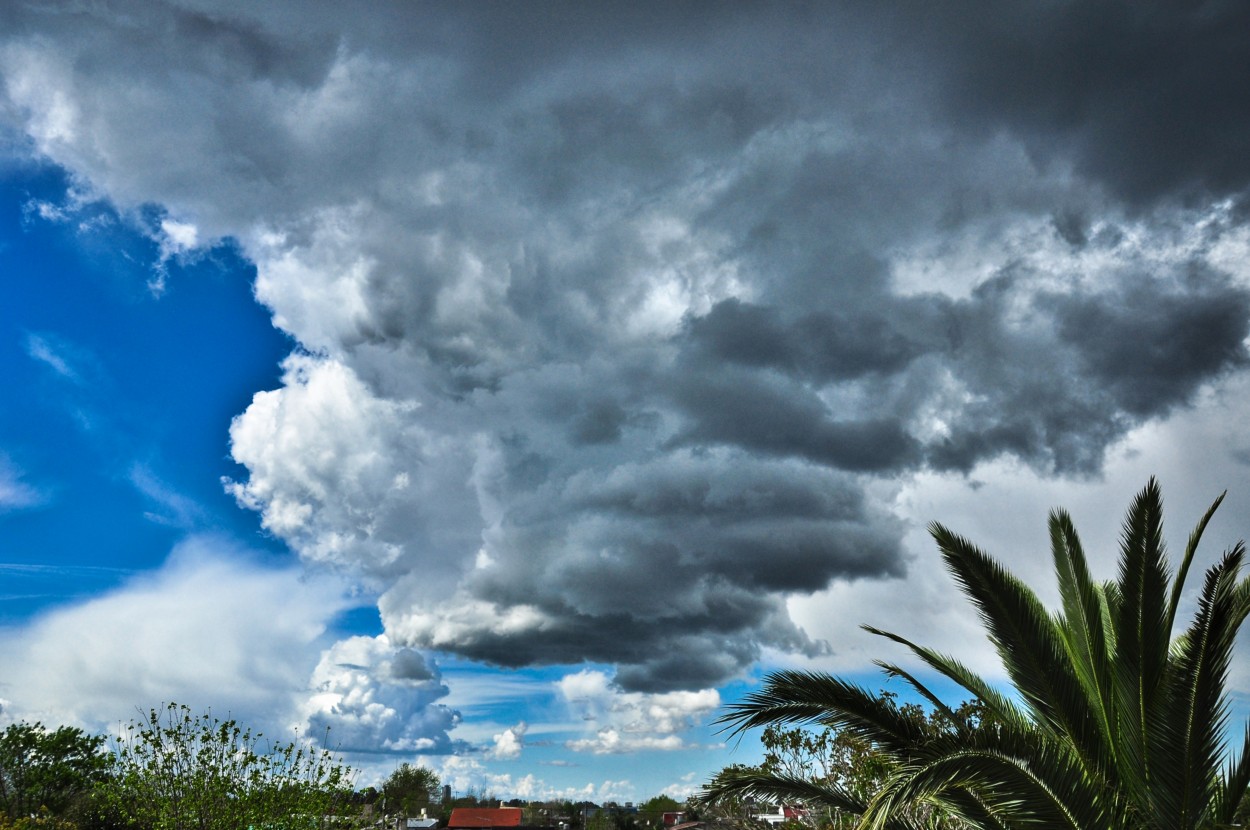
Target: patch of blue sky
x=118, y=400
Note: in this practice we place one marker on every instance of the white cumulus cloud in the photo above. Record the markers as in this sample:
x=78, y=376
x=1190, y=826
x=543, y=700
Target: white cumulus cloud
x=509, y=743
x=376, y=697
x=631, y=721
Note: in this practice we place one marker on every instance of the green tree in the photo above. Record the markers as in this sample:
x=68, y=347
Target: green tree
x=175, y=770
x=624, y=820
x=1113, y=719
x=409, y=789
x=49, y=771
x=651, y=812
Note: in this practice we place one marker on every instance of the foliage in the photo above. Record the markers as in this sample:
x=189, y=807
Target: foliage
x=835, y=758
x=659, y=805
x=828, y=755
x=175, y=770
x=552, y=813
x=47, y=772
x=623, y=820
x=1113, y=720
x=409, y=789
x=651, y=812
x=43, y=820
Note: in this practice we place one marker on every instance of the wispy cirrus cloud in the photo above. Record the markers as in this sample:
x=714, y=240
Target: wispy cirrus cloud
x=170, y=507
x=15, y=492
x=55, y=354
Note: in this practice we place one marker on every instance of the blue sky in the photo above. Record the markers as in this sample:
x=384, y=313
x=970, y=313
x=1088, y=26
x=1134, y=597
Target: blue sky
x=508, y=388
x=127, y=424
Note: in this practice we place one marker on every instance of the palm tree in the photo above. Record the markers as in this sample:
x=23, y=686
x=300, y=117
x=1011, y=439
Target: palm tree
x=1110, y=720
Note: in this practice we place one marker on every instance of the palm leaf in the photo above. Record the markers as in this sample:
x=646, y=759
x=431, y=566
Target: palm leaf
x=892, y=670
x=1178, y=584
x=1230, y=789
x=1028, y=642
x=1191, y=737
x=791, y=697
x=1119, y=726
x=1083, y=623
x=998, y=704
x=787, y=789
x=1141, y=639
x=1048, y=789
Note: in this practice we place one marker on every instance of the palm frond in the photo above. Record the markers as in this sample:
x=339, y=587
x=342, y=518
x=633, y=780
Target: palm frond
x=939, y=705
x=1083, y=625
x=1141, y=639
x=1191, y=737
x=751, y=783
x=1231, y=788
x=997, y=703
x=1111, y=722
x=1048, y=789
x=1191, y=547
x=1028, y=642
x=792, y=697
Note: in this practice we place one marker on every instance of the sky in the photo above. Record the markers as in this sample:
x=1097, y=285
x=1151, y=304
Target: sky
x=507, y=388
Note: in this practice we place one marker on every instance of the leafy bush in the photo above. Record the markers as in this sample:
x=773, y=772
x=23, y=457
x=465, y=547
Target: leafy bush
x=175, y=770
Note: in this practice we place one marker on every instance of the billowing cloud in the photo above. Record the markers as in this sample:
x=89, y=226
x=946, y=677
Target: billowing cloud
x=621, y=331
x=348, y=477
x=375, y=697
x=509, y=743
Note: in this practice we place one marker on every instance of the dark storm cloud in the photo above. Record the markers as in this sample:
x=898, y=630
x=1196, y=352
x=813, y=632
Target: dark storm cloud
x=777, y=416
x=1151, y=348
x=1089, y=364
x=1148, y=98
x=1054, y=391
x=820, y=346
x=680, y=493
x=696, y=643
x=621, y=321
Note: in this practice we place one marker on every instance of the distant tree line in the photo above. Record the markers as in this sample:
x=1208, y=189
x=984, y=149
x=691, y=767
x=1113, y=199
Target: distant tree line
x=174, y=769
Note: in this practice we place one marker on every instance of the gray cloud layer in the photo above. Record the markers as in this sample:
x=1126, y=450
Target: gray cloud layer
x=616, y=317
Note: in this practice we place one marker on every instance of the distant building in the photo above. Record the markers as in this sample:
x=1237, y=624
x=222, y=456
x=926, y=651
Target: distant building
x=421, y=822
x=484, y=818
x=782, y=815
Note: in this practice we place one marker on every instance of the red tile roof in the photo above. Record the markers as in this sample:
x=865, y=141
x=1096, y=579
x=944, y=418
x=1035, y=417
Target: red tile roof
x=485, y=817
